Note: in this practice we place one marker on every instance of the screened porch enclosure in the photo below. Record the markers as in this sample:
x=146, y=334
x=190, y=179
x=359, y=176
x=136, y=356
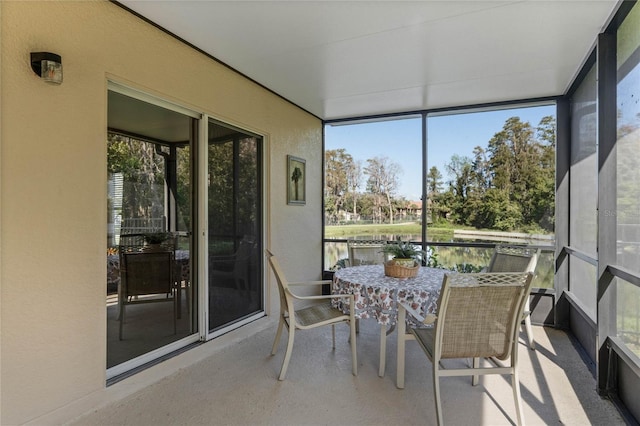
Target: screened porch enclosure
x=589, y=282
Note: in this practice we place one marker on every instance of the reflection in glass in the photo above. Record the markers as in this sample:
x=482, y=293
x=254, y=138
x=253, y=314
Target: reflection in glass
x=627, y=210
x=629, y=315
x=149, y=255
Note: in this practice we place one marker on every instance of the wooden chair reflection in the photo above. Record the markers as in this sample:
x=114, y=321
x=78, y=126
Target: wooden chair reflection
x=235, y=266
x=147, y=277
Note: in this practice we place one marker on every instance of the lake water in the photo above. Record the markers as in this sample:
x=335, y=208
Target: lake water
x=464, y=259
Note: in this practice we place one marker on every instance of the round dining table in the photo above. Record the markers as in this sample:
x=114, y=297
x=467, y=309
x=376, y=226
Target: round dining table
x=377, y=295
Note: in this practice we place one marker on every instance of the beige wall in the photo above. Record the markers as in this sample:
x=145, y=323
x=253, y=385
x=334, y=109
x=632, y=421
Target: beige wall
x=53, y=184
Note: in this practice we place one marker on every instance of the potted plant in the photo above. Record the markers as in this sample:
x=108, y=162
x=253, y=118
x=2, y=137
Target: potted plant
x=404, y=253
x=154, y=240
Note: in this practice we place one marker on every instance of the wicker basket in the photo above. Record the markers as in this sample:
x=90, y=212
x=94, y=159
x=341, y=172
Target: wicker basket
x=391, y=269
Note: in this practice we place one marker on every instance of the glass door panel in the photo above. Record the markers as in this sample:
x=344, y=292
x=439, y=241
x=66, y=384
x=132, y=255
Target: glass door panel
x=150, y=289
x=235, y=225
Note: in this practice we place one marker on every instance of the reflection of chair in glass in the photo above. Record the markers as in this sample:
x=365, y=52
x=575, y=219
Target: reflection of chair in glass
x=147, y=277
x=310, y=316
x=138, y=242
x=130, y=243
x=478, y=317
x=509, y=258
x=366, y=252
x=236, y=266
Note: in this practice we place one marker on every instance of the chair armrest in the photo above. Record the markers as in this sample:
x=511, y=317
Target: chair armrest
x=223, y=259
x=427, y=319
x=310, y=283
x=351, y=297
x=324, y=296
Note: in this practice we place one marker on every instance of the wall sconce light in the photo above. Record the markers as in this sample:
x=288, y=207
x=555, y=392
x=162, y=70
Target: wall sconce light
x=47, y=66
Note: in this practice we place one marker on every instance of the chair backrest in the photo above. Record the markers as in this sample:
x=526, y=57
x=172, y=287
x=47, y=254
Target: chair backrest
x=508, y=258
x=130, y=243
x=286, y=302
x=479, y=314
x=147, y=273
x=366, y=252
x=245, y=251
x=243, y=259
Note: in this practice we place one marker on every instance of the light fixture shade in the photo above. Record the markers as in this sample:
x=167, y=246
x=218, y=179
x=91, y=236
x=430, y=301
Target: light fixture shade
x=48, y=66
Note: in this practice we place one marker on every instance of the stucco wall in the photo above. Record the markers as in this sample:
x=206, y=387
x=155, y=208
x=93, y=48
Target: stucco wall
x=53, y=183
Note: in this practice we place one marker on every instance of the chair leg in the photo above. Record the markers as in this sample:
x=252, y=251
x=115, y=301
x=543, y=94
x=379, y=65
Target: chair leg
x=274, y=348
x=383, y=350
x=474, y=378
x=527, y=325
x=177, y=294
x=354, y=354
x=176, y=309
x=400, y=352
x=333, y=335
x=515, y=384
x=287, y=355
x=400, y=359
x=436, y=393
x=187, y=291
x=121, y=320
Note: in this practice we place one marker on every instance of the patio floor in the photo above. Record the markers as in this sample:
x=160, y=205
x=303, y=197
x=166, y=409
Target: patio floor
x=237, y=385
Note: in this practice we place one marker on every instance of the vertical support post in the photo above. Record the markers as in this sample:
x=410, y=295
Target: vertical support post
x=424, y=182
x=563, y=210
x=607, y=201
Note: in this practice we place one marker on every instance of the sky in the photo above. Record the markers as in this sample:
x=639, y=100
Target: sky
x=401, y=140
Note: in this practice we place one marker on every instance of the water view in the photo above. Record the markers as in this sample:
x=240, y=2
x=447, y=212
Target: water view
x=457, y=258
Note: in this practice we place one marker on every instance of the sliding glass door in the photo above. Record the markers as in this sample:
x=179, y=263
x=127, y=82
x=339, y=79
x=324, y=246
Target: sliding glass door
x=151, y=293
x=234, y=219
x=155, y=151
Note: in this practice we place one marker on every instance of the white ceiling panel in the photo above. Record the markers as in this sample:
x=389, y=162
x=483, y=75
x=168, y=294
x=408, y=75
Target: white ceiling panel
x=341, y=59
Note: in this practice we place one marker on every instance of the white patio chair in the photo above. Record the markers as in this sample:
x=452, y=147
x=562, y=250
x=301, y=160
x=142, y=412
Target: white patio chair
x=509, y=258
x=311, y=316
x=366, y=252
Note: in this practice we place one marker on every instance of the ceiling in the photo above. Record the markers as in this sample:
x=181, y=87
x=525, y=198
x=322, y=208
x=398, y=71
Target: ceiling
x=341, y=59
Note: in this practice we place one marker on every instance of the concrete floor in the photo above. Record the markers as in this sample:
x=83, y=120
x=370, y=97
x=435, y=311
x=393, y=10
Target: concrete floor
x=235, y=383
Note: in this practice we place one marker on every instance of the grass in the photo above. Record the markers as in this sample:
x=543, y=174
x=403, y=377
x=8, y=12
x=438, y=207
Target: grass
x=381, y=229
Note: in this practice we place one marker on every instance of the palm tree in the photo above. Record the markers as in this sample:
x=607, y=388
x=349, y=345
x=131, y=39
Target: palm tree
x=295, y=177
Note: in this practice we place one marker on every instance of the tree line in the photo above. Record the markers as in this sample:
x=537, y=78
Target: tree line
x=507, y=185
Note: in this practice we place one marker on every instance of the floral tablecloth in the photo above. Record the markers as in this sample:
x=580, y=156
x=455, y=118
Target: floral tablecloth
x=376, y=295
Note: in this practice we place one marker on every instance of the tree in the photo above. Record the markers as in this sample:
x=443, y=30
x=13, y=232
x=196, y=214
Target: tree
x=509, y=185
x=461, y=189
x=523, y=169
x=434, y=187
x=295, y=177
x=339, y=169
x=143, y=175
x=383, y=182
x=434, y=181
x=354, y=176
